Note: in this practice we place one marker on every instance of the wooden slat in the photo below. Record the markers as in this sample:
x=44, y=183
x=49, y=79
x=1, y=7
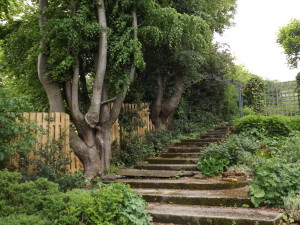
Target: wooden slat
x=58, y=123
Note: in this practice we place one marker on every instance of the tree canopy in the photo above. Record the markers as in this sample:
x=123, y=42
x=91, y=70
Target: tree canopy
x=289, y=39
x=81, y=55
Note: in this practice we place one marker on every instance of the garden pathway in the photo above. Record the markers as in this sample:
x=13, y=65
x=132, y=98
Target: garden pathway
x=177, y=193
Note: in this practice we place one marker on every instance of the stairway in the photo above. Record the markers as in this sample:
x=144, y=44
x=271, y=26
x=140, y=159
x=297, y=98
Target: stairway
x=177, y=193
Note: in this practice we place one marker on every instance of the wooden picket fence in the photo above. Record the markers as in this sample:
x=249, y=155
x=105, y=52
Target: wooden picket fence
x=57, y=125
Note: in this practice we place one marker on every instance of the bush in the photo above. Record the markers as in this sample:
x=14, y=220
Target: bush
x=22, y=219
x=15, y=137
x=267, y=126
x=134, y=149
x=276, y=179
x=217, y=157
x=110, y=204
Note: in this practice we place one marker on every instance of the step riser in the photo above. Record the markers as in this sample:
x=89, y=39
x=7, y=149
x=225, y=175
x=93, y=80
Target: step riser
x=202, y=140
x=230, y=202
x=179, y=155
x=163, y=167
x=196, y=144
x=186, y=186
x=175, y=161
x=194, y=220
x=184, y=150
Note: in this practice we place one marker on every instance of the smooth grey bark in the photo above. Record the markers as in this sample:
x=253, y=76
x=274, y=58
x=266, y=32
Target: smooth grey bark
x=163, y=109
x=51, y=88
x=91, y=140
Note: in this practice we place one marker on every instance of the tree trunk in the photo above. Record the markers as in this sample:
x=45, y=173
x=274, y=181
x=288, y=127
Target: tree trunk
x=162, y=110
x=51, y=88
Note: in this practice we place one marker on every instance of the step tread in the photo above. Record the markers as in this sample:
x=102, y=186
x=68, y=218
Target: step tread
x=153, y=173
x=180, y=181
x=190, y=167
x=236, y=193
x=188, y=213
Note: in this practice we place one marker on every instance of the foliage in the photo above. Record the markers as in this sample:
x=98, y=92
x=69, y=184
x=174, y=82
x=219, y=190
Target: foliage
x=134, y=148
x=289, y=38
x=267, y=126
x=253, y=94
x=212, y=166
x=52, y=162
x=274, y=180
x=29, y=198
x=292, y=207
x=15, y=137
x=17, y=219
x=30, y=201
x=217, y=157
x=111, y=204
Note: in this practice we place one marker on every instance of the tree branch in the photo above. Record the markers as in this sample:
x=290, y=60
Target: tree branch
x=51, y=88
x=94, y=110
x=120, y=98
x=75, y=99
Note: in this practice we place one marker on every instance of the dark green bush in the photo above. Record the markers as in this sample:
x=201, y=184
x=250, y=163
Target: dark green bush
x=22, y=219
x=134, y=148
x=112, y=204
x=29, y=198
x=269, y=126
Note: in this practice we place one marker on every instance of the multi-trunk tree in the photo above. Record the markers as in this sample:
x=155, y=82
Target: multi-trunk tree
x=88, y=52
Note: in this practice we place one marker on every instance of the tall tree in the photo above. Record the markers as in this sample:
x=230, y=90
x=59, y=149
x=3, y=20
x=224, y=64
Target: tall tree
x=88, y=53
x=289, y=38
x=178, y=59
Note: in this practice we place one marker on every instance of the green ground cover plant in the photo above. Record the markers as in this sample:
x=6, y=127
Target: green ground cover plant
x=42, y=201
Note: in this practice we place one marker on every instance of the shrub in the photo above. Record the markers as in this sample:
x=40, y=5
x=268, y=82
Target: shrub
x=17, y=219
x=217, y=157
x=134, y=148
x=15, y=137
x=276, y=179
x=110, y=204
x=267, y=126
x=25, y=197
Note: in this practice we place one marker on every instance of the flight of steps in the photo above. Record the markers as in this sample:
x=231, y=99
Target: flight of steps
x=177, y=194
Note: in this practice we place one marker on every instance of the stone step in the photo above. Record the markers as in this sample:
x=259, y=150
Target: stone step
x=180, y=155
x=158, y=160
x=176, y=149
x=232, y=197
x=154, y=173
x=202, y=140
x=207, y=137
x=176, y=167
x=192, y=144
x=195, y=215
x=188, y=184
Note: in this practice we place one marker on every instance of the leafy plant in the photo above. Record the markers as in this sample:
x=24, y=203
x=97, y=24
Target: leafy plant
x=212, y=166
x=16, y=134
x=274, y=180
x=270, y=126
x=111, y=204
x=292, y=207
